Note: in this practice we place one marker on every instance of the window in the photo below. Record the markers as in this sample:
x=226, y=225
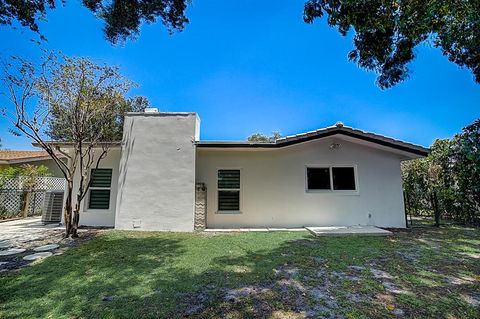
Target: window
x=228, y=190
x=101, y=181
x=318, y=177
x=331, y=178
x=343, y=178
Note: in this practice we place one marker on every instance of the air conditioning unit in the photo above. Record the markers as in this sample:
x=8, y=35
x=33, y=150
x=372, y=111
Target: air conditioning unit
x=52, y=207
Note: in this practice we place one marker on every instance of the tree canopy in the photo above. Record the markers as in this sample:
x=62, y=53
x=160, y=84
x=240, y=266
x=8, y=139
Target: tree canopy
x=69, y=100
x=262, y=138
x=450, y=175
x=122, y=18
x=387, y=32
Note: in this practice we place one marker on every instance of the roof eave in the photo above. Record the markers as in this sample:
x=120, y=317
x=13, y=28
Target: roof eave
x=369, y=137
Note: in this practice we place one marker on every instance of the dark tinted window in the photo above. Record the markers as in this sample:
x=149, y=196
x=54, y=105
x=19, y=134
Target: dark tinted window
x=343, y=178
x=318, y=178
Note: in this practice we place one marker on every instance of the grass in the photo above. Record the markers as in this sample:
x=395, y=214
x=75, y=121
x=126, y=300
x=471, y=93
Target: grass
x=425, y=273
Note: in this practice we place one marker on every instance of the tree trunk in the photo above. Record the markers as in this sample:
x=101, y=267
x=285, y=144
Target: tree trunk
x=26, y=203
x=67, y=214
x=436, y=211
x=76, y=219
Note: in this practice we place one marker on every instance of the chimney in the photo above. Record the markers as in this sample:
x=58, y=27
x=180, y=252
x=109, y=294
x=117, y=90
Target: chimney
x=151, y=110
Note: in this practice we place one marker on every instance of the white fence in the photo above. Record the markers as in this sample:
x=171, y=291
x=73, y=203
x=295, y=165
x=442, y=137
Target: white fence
x=18, y=191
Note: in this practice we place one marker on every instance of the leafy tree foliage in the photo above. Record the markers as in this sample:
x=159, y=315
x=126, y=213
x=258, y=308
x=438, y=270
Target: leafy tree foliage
x=387, y=31
x=60, y=128
x=70, y=100
x=24, y=170
x=122, y=18
x=451, y=172
x=262, y=138
x=465, y=156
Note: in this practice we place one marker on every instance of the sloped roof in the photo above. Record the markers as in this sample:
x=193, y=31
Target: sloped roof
x=9, y=157
x=338, y=128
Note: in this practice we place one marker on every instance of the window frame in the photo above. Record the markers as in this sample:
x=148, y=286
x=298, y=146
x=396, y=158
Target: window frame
x=240, y=196
x=87, y=201
x=356, y=191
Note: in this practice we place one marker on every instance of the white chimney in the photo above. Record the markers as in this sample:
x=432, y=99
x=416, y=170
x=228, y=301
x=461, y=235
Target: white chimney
x=151, y=110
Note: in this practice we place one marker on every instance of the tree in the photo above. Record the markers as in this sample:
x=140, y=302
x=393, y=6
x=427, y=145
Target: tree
x=122, y=18
x=387, y=32
x=447, y=181
x=70, y=100
x=59, y=128
x=262, y=138
x=466, y=167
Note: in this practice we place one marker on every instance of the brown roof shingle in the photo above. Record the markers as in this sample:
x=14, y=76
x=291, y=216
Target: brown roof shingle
x=8, y=156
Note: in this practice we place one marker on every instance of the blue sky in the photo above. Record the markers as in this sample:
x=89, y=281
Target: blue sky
x=251, y=66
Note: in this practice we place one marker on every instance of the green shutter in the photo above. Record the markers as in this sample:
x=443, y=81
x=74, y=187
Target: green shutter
x=99, y=199
x=228, y=190
x=229, y=179
x=229, y=200
x=101, y=177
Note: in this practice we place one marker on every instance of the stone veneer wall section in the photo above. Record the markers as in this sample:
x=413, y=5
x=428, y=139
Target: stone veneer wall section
x=200, y=206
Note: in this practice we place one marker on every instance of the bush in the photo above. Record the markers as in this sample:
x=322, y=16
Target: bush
x=451, y=173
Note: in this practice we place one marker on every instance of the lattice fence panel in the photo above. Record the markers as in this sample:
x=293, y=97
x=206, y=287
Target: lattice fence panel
x=13, y=193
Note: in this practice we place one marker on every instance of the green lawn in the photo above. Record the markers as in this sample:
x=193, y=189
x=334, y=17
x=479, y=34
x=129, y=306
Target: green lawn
x=426, y=273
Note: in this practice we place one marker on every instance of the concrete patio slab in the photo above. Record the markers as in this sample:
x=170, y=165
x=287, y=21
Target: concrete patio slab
x=285, y=229
x=226, y=230
x=348, y=230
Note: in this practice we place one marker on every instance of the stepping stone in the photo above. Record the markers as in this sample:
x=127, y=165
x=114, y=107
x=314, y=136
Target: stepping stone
x=46, y=247
x=37, y=256
x=11, y=251
x=4, y=244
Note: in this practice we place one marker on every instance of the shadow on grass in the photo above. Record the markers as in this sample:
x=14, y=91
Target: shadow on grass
x=168, y=275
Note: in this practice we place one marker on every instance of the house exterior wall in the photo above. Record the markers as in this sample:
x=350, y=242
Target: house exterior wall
x=273, y=186
x=157, y=172
x=100, y=217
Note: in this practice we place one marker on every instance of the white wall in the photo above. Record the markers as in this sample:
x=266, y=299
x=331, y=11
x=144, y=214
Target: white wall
x=157, y=172
x=273, y=186
x=100, y=217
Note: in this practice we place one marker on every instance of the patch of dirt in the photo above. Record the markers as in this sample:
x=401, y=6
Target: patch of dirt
x=51, y=236
x=392, y=288
x=235, y=295
x=192, y=303
x=312, y=243
x=409, y=256
x=471, y=299
x=380, y=274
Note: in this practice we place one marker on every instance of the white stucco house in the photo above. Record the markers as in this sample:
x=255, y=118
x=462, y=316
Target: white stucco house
x=163, y=177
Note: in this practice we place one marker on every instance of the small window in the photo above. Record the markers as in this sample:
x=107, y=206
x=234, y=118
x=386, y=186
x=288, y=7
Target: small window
x=343, y=178
x=318, y=178
x=228, y=190
x=100, y=187
x=331, y=178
